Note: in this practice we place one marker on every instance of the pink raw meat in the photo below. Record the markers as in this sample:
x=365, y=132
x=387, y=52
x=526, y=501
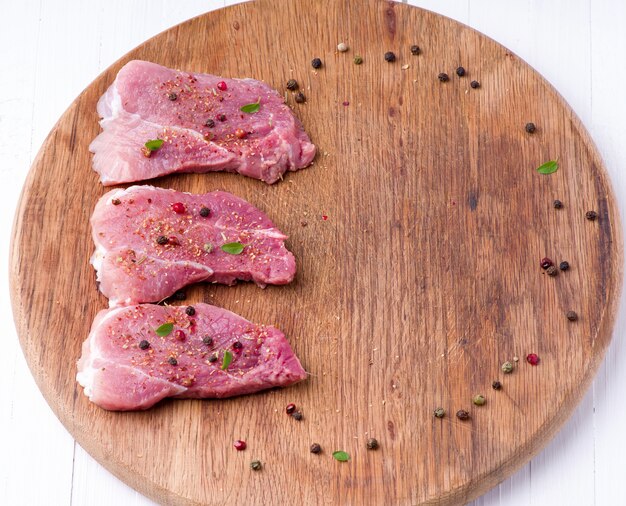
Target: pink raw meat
x=199, y=118
x=126, y=365
x=146, y=250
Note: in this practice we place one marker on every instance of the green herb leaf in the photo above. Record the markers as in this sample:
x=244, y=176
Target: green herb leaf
x=228, y=358
x=234, y=248
x=341, y=456
x=154, y=144
x=252, y=108
x=164, y=330
x=548, y=167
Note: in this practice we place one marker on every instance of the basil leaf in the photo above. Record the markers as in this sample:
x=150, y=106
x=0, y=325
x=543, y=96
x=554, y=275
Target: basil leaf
x=228, y=358
x=164, y=330
x=548, y=167
x=154, y=144
x=234, y=248
x=341, y=456
x=251, y=108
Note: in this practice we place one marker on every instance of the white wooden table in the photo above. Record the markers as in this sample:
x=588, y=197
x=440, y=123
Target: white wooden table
x=51, y=49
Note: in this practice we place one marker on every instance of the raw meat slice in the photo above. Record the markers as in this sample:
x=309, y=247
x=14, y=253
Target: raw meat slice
x=127, y=365
x=199, y=118
x=150, y=242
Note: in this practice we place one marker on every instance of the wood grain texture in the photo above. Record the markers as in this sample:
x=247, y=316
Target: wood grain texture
x=422, y=280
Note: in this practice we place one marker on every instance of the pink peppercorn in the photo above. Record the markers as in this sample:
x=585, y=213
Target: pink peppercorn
x=178, y=207
x=532, y=358
x=173, y=240
x=222, y=86
x=239, y=445
x=179, y=335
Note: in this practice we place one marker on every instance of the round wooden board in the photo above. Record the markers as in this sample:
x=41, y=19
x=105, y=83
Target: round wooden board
x=418, y=269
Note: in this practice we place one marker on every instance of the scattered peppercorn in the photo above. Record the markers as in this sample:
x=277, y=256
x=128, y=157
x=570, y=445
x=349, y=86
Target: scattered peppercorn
x=116, y=202
x=461, y=414
x=222, y=86
x=496, y=385
x=172, y=96
x=460, y=71
x=178, y=207
x=237, y=345
x=173, y=240
x=172, y=361
x=144, y=345
x=210, y=123
x=316, y=63
x=552, y=271
x=180, y=295
x=300, y=98
x=591, y=215
x=213, y=358
x=190, y=310
x=572, y=316
x=204, y=211
x=358, y=60
x=291, y=407
x=516, y=359
x=316, y=448
x=292, y=84
x=297, y=415
x=532, y=358
x=557, y=204
x=545, y=263
x=564, y=266
x=256, y=465
x=479, y=400
x=390, y=57
x=507, y=367
x=221, y=117
x=415, y=50
x=162, y=240
x=475, y=84
x=208, y=340
x=240, y=445
x=443, y=77
x=241, y=133
x=342, y=47
x=179, y=335
x=372, y=444
x=530, y=128
x=439, y=413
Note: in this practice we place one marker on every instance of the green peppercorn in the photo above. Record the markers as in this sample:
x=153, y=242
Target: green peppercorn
x=461, y=414
x=507, y=367
x=292, y=84
x=358, y=60
x=479, y=400
x=372, y=444
x=256, y=465
x=439, y=413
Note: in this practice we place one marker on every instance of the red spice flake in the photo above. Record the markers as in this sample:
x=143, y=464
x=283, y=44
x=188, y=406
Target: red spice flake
x=179, y=335
x=173, y=240
x=116, y=202
x=240, y=134
x=545, y=263
x=532, y=358
x=178, y=207
x=146, y=152
x=324, y=217
x=221, y=117
x=222, y=86
x=291, y=408
x=240, y=445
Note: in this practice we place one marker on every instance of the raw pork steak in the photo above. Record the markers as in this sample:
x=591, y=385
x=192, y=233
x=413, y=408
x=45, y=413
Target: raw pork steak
x=150, y=242
x=199, y=118
x=135, y=356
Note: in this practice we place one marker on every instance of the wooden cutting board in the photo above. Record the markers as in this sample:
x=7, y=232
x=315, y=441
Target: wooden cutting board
x=418, y=233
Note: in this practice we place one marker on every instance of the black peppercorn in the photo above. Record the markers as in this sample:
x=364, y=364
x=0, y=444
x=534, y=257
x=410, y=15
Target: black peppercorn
x=172, y=361
x=552, y=271
x=461, y=414
x=316, y=63
x=475, y=84
x=162, y=240
x=415, y=50
x=204, y=211
x=221, y=117
x=530, y=128
x=300, y=98
x=210, y=123
x=591, y=215
x=237, y=345
x=190, y=310
x=144, y=345
x=372, y=444
x=179, y=295
x=172, y=96
x=443, y=77
x=460, y=71
x=390, y=57
x=572, y=316
x=297, y=415
x=557, y=204
x=316, y=448
x=292, y=84
x=116, y=202
x=208, y=340
x=213, y=358
x=564, y=266
x=496, y=385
